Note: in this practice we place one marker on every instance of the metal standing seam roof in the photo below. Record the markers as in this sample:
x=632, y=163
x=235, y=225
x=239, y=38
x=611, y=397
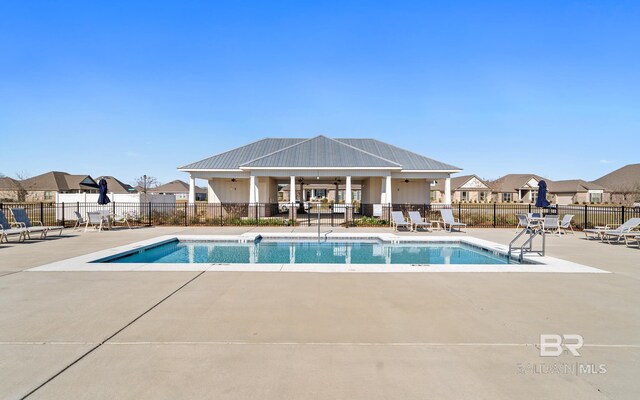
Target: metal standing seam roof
x=317, y=152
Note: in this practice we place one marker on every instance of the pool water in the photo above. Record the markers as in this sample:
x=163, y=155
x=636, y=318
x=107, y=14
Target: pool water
x=309, y=252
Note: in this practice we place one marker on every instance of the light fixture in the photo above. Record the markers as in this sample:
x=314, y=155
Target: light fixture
x=406, y=181
x=233, y=179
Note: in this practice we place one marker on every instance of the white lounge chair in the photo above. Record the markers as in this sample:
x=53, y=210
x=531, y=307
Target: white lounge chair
x=97, y=220
x=448, y=219
x=6, y=230
x=397, y=219
x=417, y=221
x=619, y=233
x=122, y=219
x=566, y=223
x=21, y=217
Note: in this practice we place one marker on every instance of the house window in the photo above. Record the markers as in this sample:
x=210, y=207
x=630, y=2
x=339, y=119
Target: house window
x=506, y=197
x=432, y=196
x=482, y=196
x=49, y=195
x=464, y=196
x=595, y=197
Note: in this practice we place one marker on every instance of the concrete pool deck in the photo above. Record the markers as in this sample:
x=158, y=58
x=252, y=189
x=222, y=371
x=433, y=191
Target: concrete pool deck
x=242, y=335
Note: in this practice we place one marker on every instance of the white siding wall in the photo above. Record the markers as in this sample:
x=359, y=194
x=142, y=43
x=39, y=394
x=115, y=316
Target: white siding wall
x=412, y=192
x=223, y=190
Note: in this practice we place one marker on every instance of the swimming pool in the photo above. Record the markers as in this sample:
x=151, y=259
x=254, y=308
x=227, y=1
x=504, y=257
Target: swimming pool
x=264, y=251
x=344, y=252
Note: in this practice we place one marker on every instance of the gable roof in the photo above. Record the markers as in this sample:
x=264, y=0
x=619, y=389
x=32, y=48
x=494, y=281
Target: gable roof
x=176, y=186
x=513, y=182
x=7, y=183
x=58, y=182
x=572, y=186
x=319, y=152
x=627, y=177
x=457, y=182
x=116, y=186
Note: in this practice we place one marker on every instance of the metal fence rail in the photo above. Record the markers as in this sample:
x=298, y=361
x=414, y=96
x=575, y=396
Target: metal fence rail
x=492, y=215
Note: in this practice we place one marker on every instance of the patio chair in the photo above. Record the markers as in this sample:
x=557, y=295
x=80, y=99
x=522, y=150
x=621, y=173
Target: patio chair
x=6, y=230
x=527, y=223
x=79, y=220
x=97, y=220
x=566, y=223
x=619, y=233
x=397, y=219
x=21, y=217
x=629, y=240
x=417, y=221
x=550, y=224
x=448, y=219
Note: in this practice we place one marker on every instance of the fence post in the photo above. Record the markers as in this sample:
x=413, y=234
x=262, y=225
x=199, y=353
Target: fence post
x=495, y=220
x=186, y=211
x=62, y=213
x=459, y=211
x=42, y=212
x=585, y=217
x=149, y=215
x=221, y=217
x=622, y=215
x=529, y=208
x=330, y=210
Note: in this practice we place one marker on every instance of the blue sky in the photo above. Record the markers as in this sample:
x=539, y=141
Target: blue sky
x=493, y=87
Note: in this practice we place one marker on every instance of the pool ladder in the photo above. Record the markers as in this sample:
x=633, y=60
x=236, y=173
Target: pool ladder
x=527, y=246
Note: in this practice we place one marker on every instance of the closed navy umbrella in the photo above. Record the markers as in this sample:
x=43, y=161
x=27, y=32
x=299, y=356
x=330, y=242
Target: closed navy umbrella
x=102, y=189
x=541, y=200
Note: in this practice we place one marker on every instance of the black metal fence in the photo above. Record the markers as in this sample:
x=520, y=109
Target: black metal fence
x=492, y=215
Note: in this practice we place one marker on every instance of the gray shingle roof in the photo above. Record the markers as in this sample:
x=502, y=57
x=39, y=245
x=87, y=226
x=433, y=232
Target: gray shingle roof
x=625, y=178
x=319, y=151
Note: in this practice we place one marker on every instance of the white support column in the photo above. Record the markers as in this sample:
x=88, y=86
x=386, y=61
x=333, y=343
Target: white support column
x=428, y=194
x=192, y=190
x=252, y=189
x=292, y=190
x=447, y=190
x=347, y=191
x=387, y=190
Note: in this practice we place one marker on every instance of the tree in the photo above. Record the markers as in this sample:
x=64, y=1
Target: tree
x=146, y=182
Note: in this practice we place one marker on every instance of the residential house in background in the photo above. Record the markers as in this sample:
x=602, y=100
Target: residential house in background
x=180, y=189
x=622, y=184
x=45, y=187
x=574, y=191
x=116, y=186
x=516, y=188
x=11, y=189
x=466, y=188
